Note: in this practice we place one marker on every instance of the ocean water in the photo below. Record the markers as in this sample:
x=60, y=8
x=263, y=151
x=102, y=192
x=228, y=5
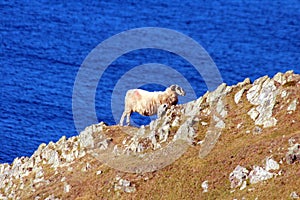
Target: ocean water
x=43, y=44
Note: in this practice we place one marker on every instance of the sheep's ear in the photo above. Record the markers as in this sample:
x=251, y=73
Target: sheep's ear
x=173, y=87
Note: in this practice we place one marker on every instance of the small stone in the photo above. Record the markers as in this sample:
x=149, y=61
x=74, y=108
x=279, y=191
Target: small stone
x=124, y=183
x=129, y=189
x=204, y=123
x=204, y=186
x=220, y=124
x=257, y=130
x=253, y=113
x=293, y=105
x=271, y=164
x=99, y=172
x=294, y=195
x=67, y=188
x=283, y=94
x=244, y=185
x=239, y=125
x=248, y=131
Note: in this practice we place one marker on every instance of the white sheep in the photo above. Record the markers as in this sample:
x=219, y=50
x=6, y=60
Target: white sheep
x=147, y=103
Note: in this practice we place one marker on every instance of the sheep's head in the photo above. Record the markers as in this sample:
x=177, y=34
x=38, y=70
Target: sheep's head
x=177, y=89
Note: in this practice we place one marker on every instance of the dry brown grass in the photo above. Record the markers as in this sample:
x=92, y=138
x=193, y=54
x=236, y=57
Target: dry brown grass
x=182, y=179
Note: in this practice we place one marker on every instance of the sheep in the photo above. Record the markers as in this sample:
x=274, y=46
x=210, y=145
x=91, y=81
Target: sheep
x=147, y=103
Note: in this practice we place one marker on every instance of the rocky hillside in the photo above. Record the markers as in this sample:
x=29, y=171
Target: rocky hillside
x=237, y=142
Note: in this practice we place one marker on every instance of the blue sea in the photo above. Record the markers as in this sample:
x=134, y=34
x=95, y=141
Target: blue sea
x=44, y=43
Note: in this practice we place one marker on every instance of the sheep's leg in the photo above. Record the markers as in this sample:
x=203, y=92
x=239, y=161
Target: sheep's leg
x=128, y=119
x=122, y=119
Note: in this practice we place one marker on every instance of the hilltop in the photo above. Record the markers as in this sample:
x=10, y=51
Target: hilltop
x=237, y=142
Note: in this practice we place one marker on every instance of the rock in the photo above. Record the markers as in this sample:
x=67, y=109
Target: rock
x=141, y=131
x=254, y=91
x=292, y=141
x=259, y=174
x=271, y=164
x=161, y=111
x=103, y=145
x=129, y=189
x=86, y=138
x=67, y=188
x=135, y=146
x=238, y=175
x=253, y=113
x=220, y=124
x=238, y=95
x=283, y=94
x=193, y=108
x=186, y=131
x=257, y=130
x=267, y=100
x=176, y=122
x=269, y=122
x=86, y=167
x=98, y=172
x=293, y=105
x=51, y=197
x=263, y=95
x=244, y=185
x=220, y=108
x=244, y=83
x=204, y=186
x=293, y=154
x=215, y=95
x=163, y=133
x=153, y=140
x=204, y=123
x=280, y=78
x=124, y=185
x=294, y=195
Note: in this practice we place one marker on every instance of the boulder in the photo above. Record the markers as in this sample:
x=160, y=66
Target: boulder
x=238, y=176
x=259, y=174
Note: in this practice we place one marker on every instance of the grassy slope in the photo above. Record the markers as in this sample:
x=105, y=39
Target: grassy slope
x=183, y=178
